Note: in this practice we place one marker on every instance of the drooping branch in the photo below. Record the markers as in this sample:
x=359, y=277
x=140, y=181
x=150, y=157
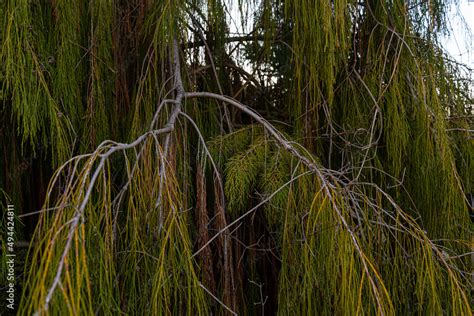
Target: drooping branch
x=79, y=213
x=326, y=185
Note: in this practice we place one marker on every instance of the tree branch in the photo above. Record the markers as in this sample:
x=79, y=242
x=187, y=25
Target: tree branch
x=169, y=127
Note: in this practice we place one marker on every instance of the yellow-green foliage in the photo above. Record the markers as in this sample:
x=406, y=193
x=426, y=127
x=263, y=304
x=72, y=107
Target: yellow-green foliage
x=135, y=266
x=320, y=46
x=402, y=97
x=357, y=208
x=225, y=146
x=25, y=83
x=254, y=167
x=100, y=101
x=355, y=267
x=241, y=175
x=68, y=77
x=276, y=174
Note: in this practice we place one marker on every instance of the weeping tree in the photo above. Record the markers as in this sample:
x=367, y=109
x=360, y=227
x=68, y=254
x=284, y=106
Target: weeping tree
x=237, y=157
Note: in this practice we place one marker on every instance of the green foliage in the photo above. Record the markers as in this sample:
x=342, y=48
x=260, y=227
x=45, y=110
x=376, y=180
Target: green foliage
x=224, y=147
x=274, y=177
x=241, y=174
x=358, y=207
x=97, y=274
x=25, y=82
x=100, y=105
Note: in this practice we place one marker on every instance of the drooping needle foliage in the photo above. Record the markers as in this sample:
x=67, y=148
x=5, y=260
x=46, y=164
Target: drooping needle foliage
x=238, y=157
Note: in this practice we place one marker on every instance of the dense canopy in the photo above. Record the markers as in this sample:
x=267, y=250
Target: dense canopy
x=200, y=157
